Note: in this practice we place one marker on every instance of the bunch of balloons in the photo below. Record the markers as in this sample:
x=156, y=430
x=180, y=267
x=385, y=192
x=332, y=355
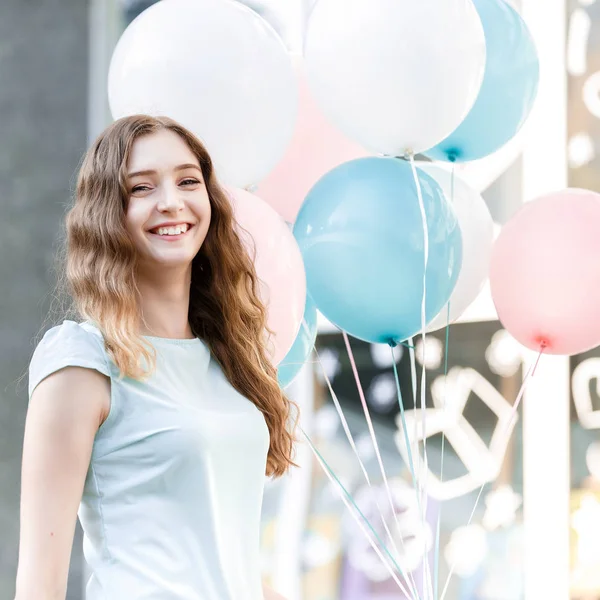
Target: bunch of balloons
x=454, y=80
x=321, y=138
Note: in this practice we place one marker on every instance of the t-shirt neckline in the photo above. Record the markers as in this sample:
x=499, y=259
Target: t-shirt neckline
x=182, y=341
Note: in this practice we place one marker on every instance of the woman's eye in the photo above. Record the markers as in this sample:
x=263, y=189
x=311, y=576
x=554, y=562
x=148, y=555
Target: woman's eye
x=140, y=188
x=190, y=181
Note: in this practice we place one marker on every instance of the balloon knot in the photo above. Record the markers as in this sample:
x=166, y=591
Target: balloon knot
x=542, y=342
x=452, y=155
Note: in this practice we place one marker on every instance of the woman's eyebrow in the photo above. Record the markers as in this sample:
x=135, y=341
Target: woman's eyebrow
x=153, y=172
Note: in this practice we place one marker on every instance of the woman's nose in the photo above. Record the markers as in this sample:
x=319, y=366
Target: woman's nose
x=170, y=197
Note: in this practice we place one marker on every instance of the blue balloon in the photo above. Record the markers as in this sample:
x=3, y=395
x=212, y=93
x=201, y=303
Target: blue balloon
x=299, y=353
x=360, y=231
x=508, y=89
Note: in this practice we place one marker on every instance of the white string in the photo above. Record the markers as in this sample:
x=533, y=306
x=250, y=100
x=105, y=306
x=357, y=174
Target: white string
x=530, y=373
x=427, y=581
x=363, y=401
x=446, y=351
x=410, y=582
x=358, y=520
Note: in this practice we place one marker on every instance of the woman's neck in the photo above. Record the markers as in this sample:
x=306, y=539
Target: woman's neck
x=164, y=307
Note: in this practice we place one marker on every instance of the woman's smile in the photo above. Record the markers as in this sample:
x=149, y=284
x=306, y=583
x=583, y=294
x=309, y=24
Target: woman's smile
x=172, y=238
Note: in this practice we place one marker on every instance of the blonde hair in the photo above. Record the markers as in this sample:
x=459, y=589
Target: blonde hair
x=98, y=266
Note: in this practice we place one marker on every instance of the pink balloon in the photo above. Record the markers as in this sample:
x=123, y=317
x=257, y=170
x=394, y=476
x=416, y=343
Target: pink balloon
x=278, y=264
x=316, y=148
x=545, y=273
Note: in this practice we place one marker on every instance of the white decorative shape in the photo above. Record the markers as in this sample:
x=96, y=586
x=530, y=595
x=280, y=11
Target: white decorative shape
x=591, y=89
x=482, y=462
x=433, y=355
x=466, y=550
x=580, y=382
x=577, y=45
x=581, y=150
x=501, y=507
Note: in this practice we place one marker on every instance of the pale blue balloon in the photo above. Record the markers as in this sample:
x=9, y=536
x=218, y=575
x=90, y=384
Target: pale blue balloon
x=360, y=231
x=301, y=350
x=508, y=89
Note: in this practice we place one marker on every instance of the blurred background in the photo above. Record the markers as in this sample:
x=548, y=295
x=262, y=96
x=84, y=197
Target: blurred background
x=536, y=530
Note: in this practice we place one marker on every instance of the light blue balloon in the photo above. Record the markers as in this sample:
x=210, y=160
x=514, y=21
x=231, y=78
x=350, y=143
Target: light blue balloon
x=508, y=89
x=299, y=353
x=360, y=232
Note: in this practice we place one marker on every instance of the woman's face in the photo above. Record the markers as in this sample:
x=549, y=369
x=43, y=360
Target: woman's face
x=165, y=185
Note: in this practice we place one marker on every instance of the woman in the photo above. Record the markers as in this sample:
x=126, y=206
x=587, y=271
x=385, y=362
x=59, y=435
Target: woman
x=163, y=462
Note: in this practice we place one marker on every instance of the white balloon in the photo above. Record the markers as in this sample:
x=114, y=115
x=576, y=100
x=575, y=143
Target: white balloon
x=220, y=70
x=398, y=76
x=477, y=228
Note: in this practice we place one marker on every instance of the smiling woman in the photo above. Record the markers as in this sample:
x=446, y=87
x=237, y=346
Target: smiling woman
x=156, y=419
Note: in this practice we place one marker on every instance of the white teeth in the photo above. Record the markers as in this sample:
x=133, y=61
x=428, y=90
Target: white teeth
x=172, y=230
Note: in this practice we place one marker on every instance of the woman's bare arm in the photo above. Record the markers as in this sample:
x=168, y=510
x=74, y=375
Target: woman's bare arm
x=63, y=416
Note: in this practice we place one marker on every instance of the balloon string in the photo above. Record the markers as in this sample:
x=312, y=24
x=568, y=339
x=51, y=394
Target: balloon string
x=427, y=570
x=454, y=562
x=342, y=418
x=413, y=379
x=347, y=496
x=347, y=499
x=362, y=466
x=436, y=556
x=446, y=352
x=411, y=464
x=530, y=373
x=363, y=401
x=406, y=438
x=526, y=380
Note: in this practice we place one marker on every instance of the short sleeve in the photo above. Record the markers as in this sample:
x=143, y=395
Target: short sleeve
x=68, y=344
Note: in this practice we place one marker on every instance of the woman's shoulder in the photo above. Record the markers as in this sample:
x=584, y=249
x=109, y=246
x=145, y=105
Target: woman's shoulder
x=68, y=344
x=73, y=335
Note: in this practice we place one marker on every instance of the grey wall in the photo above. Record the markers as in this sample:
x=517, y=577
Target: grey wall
x=43, y=103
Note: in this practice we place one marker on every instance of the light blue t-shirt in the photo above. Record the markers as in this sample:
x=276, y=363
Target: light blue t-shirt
x=173, y=494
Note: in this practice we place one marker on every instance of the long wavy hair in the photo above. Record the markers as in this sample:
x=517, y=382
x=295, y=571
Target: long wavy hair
x=97, y=271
